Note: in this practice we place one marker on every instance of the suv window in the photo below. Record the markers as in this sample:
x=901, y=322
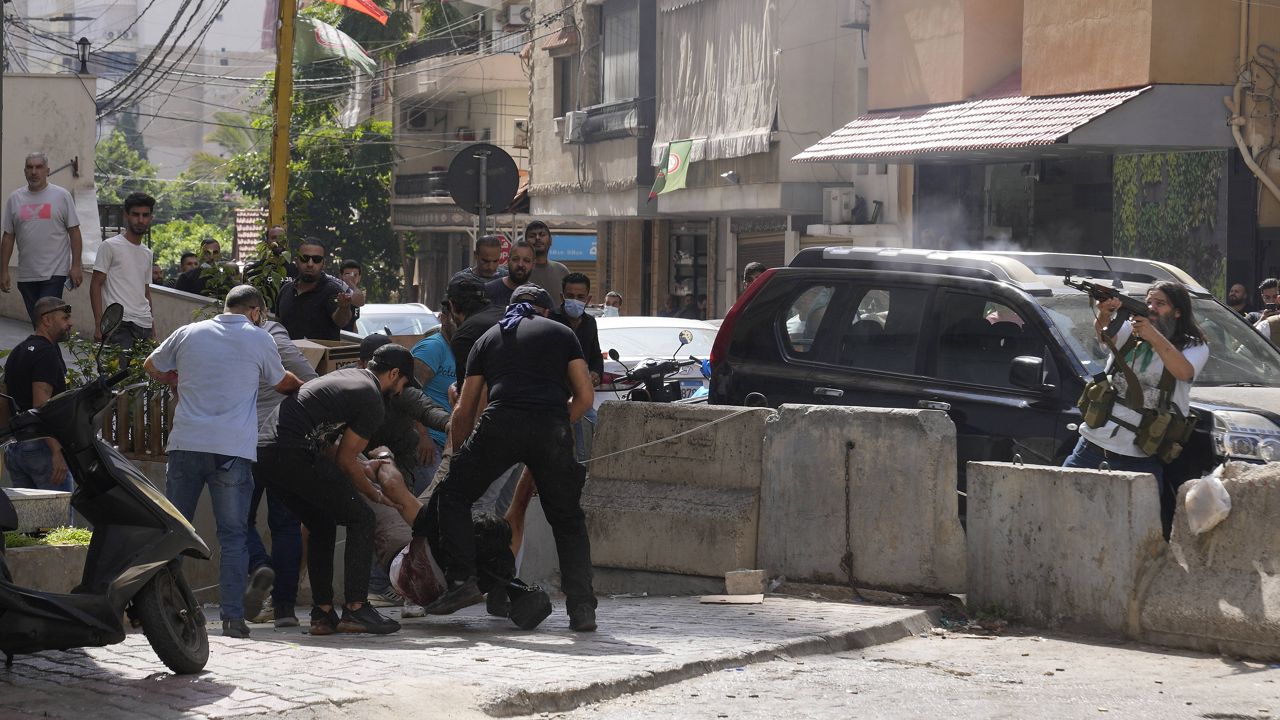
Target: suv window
x=978, y=338
x=883, y=332
x=803, y=317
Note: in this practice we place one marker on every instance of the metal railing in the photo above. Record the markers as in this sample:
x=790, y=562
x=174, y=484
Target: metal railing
x=138, y=423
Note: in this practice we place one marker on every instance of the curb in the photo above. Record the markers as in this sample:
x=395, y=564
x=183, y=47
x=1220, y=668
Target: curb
x=530, y=702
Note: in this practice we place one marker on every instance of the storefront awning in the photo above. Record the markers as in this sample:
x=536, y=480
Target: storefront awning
x=1159, y=118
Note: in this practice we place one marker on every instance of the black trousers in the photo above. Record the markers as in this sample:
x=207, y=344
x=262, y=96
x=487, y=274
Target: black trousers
x=542, y=440
x=323, y=498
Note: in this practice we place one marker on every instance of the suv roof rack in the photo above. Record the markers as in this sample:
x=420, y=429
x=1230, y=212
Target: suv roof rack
x=1037, y=273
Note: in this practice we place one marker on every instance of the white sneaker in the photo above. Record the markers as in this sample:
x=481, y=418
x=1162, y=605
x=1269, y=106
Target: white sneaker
x=412, y=611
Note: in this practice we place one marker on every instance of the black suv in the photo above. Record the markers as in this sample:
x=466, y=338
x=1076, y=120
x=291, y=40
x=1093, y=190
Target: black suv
x=994, y=339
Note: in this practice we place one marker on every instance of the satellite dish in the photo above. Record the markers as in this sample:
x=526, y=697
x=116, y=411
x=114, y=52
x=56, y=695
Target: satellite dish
x=502, y=179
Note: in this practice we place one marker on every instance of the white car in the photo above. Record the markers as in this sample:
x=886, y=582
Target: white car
x=638, y=338
x=400, y=318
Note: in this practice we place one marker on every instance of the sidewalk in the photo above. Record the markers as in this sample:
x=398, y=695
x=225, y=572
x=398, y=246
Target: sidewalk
x=459, y=665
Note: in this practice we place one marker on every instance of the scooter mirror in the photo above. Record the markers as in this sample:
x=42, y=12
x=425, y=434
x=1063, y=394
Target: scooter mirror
x=111, y=318
x=613, y=355
x=686, y=337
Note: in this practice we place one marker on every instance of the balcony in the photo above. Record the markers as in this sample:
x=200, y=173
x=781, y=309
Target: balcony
x=468, y=63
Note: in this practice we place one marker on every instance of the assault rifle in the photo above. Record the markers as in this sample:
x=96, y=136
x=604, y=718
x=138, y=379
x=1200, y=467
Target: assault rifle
x=1129, y=306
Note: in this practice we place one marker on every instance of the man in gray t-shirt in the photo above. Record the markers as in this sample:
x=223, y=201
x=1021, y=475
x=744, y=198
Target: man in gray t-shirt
x=41, y=219
x=547, y=273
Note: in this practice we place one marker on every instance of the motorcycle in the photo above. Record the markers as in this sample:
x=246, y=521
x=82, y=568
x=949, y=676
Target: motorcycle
x=652, y=378
x=133, y=566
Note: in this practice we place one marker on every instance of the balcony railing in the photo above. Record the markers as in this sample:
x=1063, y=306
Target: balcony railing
x=430, y=184
x=464, y=43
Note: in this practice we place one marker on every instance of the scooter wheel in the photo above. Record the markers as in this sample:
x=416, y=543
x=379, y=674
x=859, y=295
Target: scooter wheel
x=173, y=621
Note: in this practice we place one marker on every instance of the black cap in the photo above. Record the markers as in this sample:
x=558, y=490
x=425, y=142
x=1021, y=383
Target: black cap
x=392, y=356
x=533, y=294
x=465, y=286
x=371, y=343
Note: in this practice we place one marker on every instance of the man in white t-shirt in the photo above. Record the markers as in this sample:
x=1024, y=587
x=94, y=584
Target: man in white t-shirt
x=1171, y=339
x=122, y=274
x=41, y=219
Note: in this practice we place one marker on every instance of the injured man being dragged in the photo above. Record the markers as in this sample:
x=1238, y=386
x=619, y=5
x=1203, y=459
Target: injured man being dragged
x=401, y=548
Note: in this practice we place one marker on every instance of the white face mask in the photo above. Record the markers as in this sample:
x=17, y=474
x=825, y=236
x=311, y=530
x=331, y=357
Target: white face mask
x=574, y=308
x=609, y=311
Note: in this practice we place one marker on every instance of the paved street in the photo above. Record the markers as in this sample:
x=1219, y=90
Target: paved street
x=464, y=663
x=966, y=676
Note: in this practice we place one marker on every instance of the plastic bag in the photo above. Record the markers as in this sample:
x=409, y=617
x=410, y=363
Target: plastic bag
x=1207, y=502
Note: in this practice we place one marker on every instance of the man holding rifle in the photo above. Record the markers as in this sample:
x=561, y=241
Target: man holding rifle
x=1136, y=412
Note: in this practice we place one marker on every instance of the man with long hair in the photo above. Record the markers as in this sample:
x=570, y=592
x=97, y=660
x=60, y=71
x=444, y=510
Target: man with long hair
x=1169, y=340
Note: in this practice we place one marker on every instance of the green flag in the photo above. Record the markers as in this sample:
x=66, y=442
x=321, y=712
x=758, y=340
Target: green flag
x=675, y=166
x=316, y=41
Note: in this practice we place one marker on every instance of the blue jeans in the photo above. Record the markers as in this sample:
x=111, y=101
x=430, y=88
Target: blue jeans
x=230, y=481
x=1090, y=456
x=286, y=543
x=33, y=290
x=30, y=463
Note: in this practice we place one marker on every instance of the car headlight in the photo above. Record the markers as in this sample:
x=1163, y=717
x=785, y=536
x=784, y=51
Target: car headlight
x=1245, y=436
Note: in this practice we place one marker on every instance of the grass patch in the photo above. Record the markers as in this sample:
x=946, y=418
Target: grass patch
x=57, y=536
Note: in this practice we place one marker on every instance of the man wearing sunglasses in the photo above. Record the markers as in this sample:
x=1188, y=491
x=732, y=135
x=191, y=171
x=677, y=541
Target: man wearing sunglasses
x=315, y=305
x=35, y=372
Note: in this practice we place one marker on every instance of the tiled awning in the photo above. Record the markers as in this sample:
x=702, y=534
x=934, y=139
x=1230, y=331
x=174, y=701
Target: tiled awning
x=982, y=124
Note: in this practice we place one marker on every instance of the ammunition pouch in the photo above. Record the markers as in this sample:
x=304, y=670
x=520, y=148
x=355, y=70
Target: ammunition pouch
x=1097, y=401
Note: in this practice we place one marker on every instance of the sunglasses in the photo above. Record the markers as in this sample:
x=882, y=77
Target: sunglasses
x=65, y=308
x=317, y=259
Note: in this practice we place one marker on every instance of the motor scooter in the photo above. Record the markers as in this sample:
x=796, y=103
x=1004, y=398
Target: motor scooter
x=133, y=565
x=651, y=379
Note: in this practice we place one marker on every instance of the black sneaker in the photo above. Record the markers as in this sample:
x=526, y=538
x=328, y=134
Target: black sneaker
x=497, y=602
x=460, y=594
x=235, y=628
x=582, y=619
x=324, y=622
x=285, y=617
x=366, y=620
x=256, y=594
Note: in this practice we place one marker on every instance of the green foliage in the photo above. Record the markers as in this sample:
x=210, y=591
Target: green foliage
x=1166, y=208
x=438, y=16
x=120, y=170
x=128, y=126
x=339, y=190
x=170, y=239
x=56, y=536
x=84, y=369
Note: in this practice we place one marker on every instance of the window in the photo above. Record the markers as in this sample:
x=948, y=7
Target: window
x=979, y=338
x=804, y=315
x=883, y=332
x=566, y=84
x=619, y=50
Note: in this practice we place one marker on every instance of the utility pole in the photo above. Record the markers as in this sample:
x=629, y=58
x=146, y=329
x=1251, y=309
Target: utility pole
x=283, y=106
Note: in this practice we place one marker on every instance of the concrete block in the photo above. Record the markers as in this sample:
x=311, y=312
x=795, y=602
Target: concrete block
x=40, y=509
x=688, y=505
x=1220, y=591
x=1061, y=548
x=51, y=568
x=667, y=527
x=744, y=582
x=863, y=497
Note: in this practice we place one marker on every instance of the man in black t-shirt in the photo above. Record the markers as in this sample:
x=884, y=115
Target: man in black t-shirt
x=472, y=316
x=536, y=381
x=33, y=373
x=321, y=484
x=519, y=265
x=316, y=305
x=575, y=295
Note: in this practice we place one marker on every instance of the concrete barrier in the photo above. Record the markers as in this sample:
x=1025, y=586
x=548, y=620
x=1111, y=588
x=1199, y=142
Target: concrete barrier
x=51, y=568
x=40, y=509
x=1220, y=591
x=170, y=308
x=688, y=506
x=1061, y=548
x=863, y=497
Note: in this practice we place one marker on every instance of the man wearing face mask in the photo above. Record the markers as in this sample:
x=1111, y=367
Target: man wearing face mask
x=612, y=304
x=575, y=295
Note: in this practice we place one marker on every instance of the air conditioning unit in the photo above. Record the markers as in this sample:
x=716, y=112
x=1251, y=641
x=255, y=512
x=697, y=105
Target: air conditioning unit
x=574, y=124
x=520, y=14
x=837, y=205
x=520, y=133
